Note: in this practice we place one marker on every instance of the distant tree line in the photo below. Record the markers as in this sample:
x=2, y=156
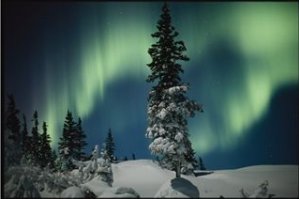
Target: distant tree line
x=33, y=148
x=22, y=147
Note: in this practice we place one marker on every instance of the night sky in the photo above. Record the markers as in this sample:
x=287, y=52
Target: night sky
x=90, y=58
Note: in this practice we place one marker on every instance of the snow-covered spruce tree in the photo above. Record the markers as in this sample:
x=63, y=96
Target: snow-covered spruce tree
x=110, y=145
x=104, y=169
x=168, y=106
x=45, y=148
x=12, y=136
x=66, y=144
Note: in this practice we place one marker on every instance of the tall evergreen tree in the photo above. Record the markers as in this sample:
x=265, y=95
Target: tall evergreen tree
x=110, y=145
x=12, y=120
x=168, y=106
x=35, y=141
x=67, y=142
x=45, y=148
x=12, y=134
x=53, y=159
x=79, y=140
x=67, y=135
x=25, y=136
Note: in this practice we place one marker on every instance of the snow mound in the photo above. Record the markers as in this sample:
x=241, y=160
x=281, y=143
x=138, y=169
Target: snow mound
x=283, y=181
x=120, y=192
x=178, y=188
x=72, y=192
x=145, y=176
x=96, y=185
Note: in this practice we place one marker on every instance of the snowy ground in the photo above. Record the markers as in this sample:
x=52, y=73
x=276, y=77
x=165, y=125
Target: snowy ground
x=145, y=178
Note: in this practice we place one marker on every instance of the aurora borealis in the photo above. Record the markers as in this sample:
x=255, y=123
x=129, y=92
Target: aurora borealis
x=90, y=58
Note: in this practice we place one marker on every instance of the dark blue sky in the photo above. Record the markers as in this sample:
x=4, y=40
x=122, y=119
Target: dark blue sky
x=90, y=58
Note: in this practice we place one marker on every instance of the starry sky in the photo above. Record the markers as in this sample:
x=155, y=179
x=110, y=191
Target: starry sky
x=90, y=58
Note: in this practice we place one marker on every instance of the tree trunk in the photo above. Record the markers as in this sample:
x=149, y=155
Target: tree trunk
x=178, y=170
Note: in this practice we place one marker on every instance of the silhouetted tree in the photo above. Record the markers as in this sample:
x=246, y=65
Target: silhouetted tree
x=168, y=106
x=201, y=164
x=45, y=148
x=67, y=145
x=79, y=141
x=25, y=137
x=110, y=145
x=53, y=159
x=12, y=137
x=35, y=141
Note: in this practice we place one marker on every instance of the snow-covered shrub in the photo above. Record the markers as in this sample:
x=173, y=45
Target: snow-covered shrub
x=260, y=192
x=87, y=192
x=72, y=192
x=31, y=179
x=178, y=188
x=120, y=192
x=64, y=162
x=104, y=169
x=97, y=167
x=21, y=187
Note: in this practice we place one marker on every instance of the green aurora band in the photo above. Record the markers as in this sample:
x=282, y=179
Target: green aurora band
x=265, y=33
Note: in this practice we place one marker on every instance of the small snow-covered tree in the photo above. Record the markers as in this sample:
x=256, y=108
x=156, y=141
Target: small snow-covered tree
x=168, y=106
x=88, y=172
x=104, y=169
x=65, y=162
x=94, y=157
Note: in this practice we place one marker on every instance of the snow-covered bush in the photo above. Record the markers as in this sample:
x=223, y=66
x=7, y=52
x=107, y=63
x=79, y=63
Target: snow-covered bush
x=97, y=167
x=178, y=188
x=260, y=192
x=120, y=192
x=64, y=161
x=21, y=187
x=104, y=169
x=27, y=180
x=72, y=192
